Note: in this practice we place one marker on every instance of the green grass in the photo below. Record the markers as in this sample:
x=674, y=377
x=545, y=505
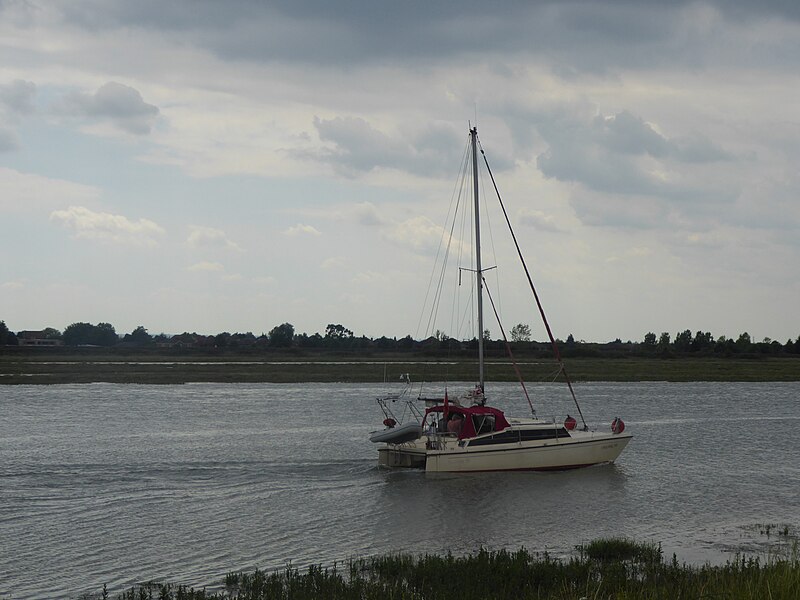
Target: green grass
x=604, y=569
x=53, y=366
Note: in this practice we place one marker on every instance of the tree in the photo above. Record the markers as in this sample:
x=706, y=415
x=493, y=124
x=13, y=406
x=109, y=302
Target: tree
x=570, y=343
x=7, y=337
x=663, y=342
x=702, y=340
x=683, y=341
x=521, y=333
x=649, y=339
x=105, y=335
x=138, y=337
x=337, y=331
x=743, y=343
x=86, y=334
x=50, y=333
x=281, y=336
x=221, y=339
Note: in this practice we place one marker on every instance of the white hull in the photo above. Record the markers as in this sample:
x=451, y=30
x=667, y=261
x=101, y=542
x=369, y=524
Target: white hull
x=444, y=454
x=580, y=450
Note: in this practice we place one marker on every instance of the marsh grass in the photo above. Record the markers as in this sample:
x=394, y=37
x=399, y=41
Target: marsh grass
x=604, y=569
x=78, y=367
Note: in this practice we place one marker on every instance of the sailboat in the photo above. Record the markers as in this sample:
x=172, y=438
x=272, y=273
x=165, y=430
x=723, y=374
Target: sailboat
x=464, y=434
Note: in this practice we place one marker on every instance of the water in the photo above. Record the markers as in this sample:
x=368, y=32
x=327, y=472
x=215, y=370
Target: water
x=119, y=484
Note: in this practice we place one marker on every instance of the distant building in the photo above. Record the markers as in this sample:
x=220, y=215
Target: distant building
x=37, y=338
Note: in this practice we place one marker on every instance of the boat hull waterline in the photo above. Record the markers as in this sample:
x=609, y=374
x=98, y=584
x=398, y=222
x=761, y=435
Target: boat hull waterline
x=581, y=449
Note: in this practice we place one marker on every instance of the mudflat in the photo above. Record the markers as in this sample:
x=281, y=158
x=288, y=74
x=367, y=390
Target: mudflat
x=90, y=365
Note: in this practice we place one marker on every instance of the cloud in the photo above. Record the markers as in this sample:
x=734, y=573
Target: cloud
x=334, y=262
x=265, y=280
x=630, y=254
x=209, y=237
x=88, y=224
x=17, y=96
x=418, y=233
x=367, y=214
x=117, y=103
x=621, y=154
x=12, y=285
x=354, y=147
x=8, y=141
x=538, y=220
x=27, y=193
x=301, y=229
x=206, y=266
x=630, y=174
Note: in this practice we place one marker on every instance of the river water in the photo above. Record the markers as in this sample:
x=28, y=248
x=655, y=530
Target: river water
x=119, y=484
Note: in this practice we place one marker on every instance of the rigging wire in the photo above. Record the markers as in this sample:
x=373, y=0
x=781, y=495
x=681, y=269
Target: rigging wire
x=490, y=229
x=455, y=199
x=535, y=294
x=508, y=348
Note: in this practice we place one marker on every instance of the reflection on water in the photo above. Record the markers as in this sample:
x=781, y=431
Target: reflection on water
x=117, y=484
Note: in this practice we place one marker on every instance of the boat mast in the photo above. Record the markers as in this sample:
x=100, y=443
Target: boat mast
x=473, y=134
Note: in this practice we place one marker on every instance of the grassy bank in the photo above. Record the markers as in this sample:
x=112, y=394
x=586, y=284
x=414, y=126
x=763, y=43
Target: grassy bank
x=604, y=569
x=87, y=366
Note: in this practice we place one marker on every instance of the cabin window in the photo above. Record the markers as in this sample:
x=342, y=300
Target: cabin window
x=483, y=423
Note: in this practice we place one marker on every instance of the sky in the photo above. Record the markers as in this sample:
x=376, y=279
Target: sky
x=230, y=166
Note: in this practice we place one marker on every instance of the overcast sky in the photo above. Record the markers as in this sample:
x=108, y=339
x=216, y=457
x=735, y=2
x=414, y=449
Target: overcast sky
x=229, y=166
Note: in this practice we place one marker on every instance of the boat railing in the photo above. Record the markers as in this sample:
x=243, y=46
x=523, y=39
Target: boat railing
x=437, y=440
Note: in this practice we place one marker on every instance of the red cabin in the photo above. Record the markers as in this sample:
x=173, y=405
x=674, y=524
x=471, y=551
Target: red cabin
x=474, y=420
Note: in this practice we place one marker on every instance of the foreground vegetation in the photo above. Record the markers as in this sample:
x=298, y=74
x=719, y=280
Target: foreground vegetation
x=87, y=365
x=604, y=569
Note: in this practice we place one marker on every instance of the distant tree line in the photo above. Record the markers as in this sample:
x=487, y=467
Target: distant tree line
x=340, y=338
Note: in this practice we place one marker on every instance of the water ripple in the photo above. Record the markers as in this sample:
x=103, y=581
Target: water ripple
x=119, y=484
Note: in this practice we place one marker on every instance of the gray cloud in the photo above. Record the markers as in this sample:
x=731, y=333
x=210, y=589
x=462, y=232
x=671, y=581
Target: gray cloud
x=120, y=104
x=538, y=220
x=8, y=141
x=612, y=154
x=17, y=96
x=356, y=147
x=577, y=35
x=631, y=175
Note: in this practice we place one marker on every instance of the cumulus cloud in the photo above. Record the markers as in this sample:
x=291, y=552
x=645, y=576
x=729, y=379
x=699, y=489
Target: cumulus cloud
x=120, y=104
x=265, y=280
x=620, y=153
x=301, y=229
x=354, y=146
x=419, y=234
x=87, y=224
x=209, y=237
x=538, y=220
x=629, y=173
x=368, y=214
x=334, y=262
x=206, y=266
x=17, y=96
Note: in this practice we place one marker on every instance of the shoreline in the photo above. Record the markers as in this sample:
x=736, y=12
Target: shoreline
x=602, y=568
x=90, y=366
